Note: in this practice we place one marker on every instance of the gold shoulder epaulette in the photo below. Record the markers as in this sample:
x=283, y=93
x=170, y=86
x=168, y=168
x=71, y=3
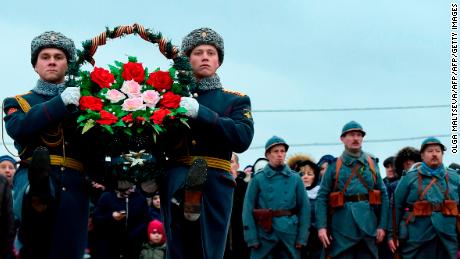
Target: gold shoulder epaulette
x=234, y=92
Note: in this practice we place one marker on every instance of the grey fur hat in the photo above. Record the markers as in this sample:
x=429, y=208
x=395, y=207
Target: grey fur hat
x=203, y=36
x=52, y=39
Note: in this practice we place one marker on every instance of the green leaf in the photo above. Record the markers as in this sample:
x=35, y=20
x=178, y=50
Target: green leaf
x=88, y=125
x=184, y=121
x=139, y=130
x=132, y=59
x=119, y=64
x=81, y=118
x=127, y=131
x=172, y=72
x=108, y=128
x=181, y=110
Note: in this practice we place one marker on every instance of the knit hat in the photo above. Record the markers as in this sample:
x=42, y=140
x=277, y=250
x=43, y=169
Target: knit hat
x=51, y=39
x=326, y=159
x=389, y=161
x=273, y=141
x=203, y=36
x=155, y=226
x=431, y=141
x=352, y=126
x=8, y=158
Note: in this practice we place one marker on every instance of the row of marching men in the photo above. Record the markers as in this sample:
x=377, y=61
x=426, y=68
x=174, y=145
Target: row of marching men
x=353, y=213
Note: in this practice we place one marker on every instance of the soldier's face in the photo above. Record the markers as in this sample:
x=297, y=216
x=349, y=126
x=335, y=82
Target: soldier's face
x=51, y=65
x=389, y=171
x=432, y=156
x=204, y=60
x=276, y=155
x=352, y=140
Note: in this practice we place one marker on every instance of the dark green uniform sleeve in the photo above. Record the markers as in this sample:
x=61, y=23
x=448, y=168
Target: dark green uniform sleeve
x=22, y=126
x=236, y=129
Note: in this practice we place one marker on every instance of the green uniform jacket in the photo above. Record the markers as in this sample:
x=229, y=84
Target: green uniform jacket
x=277, y=190
x=356, y=221
x=419, y=230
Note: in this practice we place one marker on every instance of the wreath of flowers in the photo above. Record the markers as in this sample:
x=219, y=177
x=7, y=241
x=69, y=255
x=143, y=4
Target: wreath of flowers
x=127, y=98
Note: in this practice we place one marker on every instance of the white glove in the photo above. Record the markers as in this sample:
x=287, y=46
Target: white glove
x=71, y=95
x=191, y=105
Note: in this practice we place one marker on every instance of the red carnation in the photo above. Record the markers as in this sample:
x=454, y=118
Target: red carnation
x=170, y=100
x=128, y=118
x=102, y=77
x=160, y=80
x=159, y=115
x=133, y=71
x=90, y=102
x=107, y=118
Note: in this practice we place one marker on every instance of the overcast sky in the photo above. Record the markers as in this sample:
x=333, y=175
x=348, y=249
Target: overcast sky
x=284, y=55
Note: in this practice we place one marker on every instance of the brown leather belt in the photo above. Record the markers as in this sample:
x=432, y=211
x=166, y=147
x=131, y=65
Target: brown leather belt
x=357, y=197
x=280, y=213
x=437, y=207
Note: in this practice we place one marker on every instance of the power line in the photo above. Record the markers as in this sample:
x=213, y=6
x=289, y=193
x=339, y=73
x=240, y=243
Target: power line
x=356, y=109
x=366, y=141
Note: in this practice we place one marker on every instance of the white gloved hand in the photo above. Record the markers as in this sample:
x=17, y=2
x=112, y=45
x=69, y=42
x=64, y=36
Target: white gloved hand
x=191, y=105
x=71, y=95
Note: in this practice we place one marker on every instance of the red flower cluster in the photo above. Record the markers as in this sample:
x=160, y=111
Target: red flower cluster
x=90, y=102
x=133, y=71
x=102, y=77
x=160, y=80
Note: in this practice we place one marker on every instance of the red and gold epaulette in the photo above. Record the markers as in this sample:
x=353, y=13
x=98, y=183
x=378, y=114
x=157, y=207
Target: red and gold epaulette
x=234, y=92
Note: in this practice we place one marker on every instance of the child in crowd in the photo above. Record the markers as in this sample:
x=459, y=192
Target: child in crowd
x=155, y=248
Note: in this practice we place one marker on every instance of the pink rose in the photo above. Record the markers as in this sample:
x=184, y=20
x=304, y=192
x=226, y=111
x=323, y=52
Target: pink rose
x=151, y=98
x=114, y=96
x=131, y=88
x=133, y=104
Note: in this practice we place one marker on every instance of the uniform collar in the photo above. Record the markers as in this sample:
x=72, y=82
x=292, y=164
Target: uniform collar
x=349, y=159
x=209, y=83
x=271, y=171
x=48, y=89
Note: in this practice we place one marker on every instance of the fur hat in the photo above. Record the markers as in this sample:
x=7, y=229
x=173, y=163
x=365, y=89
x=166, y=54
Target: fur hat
x=352, y=126
x=51, y=39
x=406, y=153
x=203, y=36
x=155, y=226
x=294, y=160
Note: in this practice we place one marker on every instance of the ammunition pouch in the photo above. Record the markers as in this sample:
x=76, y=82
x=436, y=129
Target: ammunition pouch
x=263, y=218
x=422, y=208
x=336, y=199
x=375, y=197
x=449, y=208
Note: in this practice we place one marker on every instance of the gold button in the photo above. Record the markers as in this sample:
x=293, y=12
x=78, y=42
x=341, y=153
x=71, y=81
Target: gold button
x=64, y=189
x=193, y=142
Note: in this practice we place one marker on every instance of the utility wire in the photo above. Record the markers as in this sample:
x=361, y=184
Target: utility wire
x=366, y=141
x=356, y=109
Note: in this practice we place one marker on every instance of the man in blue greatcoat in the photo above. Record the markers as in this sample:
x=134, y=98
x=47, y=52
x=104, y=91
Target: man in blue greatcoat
x=276, y=210
x=197, y=191
x=352, y=202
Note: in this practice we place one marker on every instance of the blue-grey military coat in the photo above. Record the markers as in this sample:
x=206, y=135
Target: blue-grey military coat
x=355, y=221
x=280, y=189
x=414, y=232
